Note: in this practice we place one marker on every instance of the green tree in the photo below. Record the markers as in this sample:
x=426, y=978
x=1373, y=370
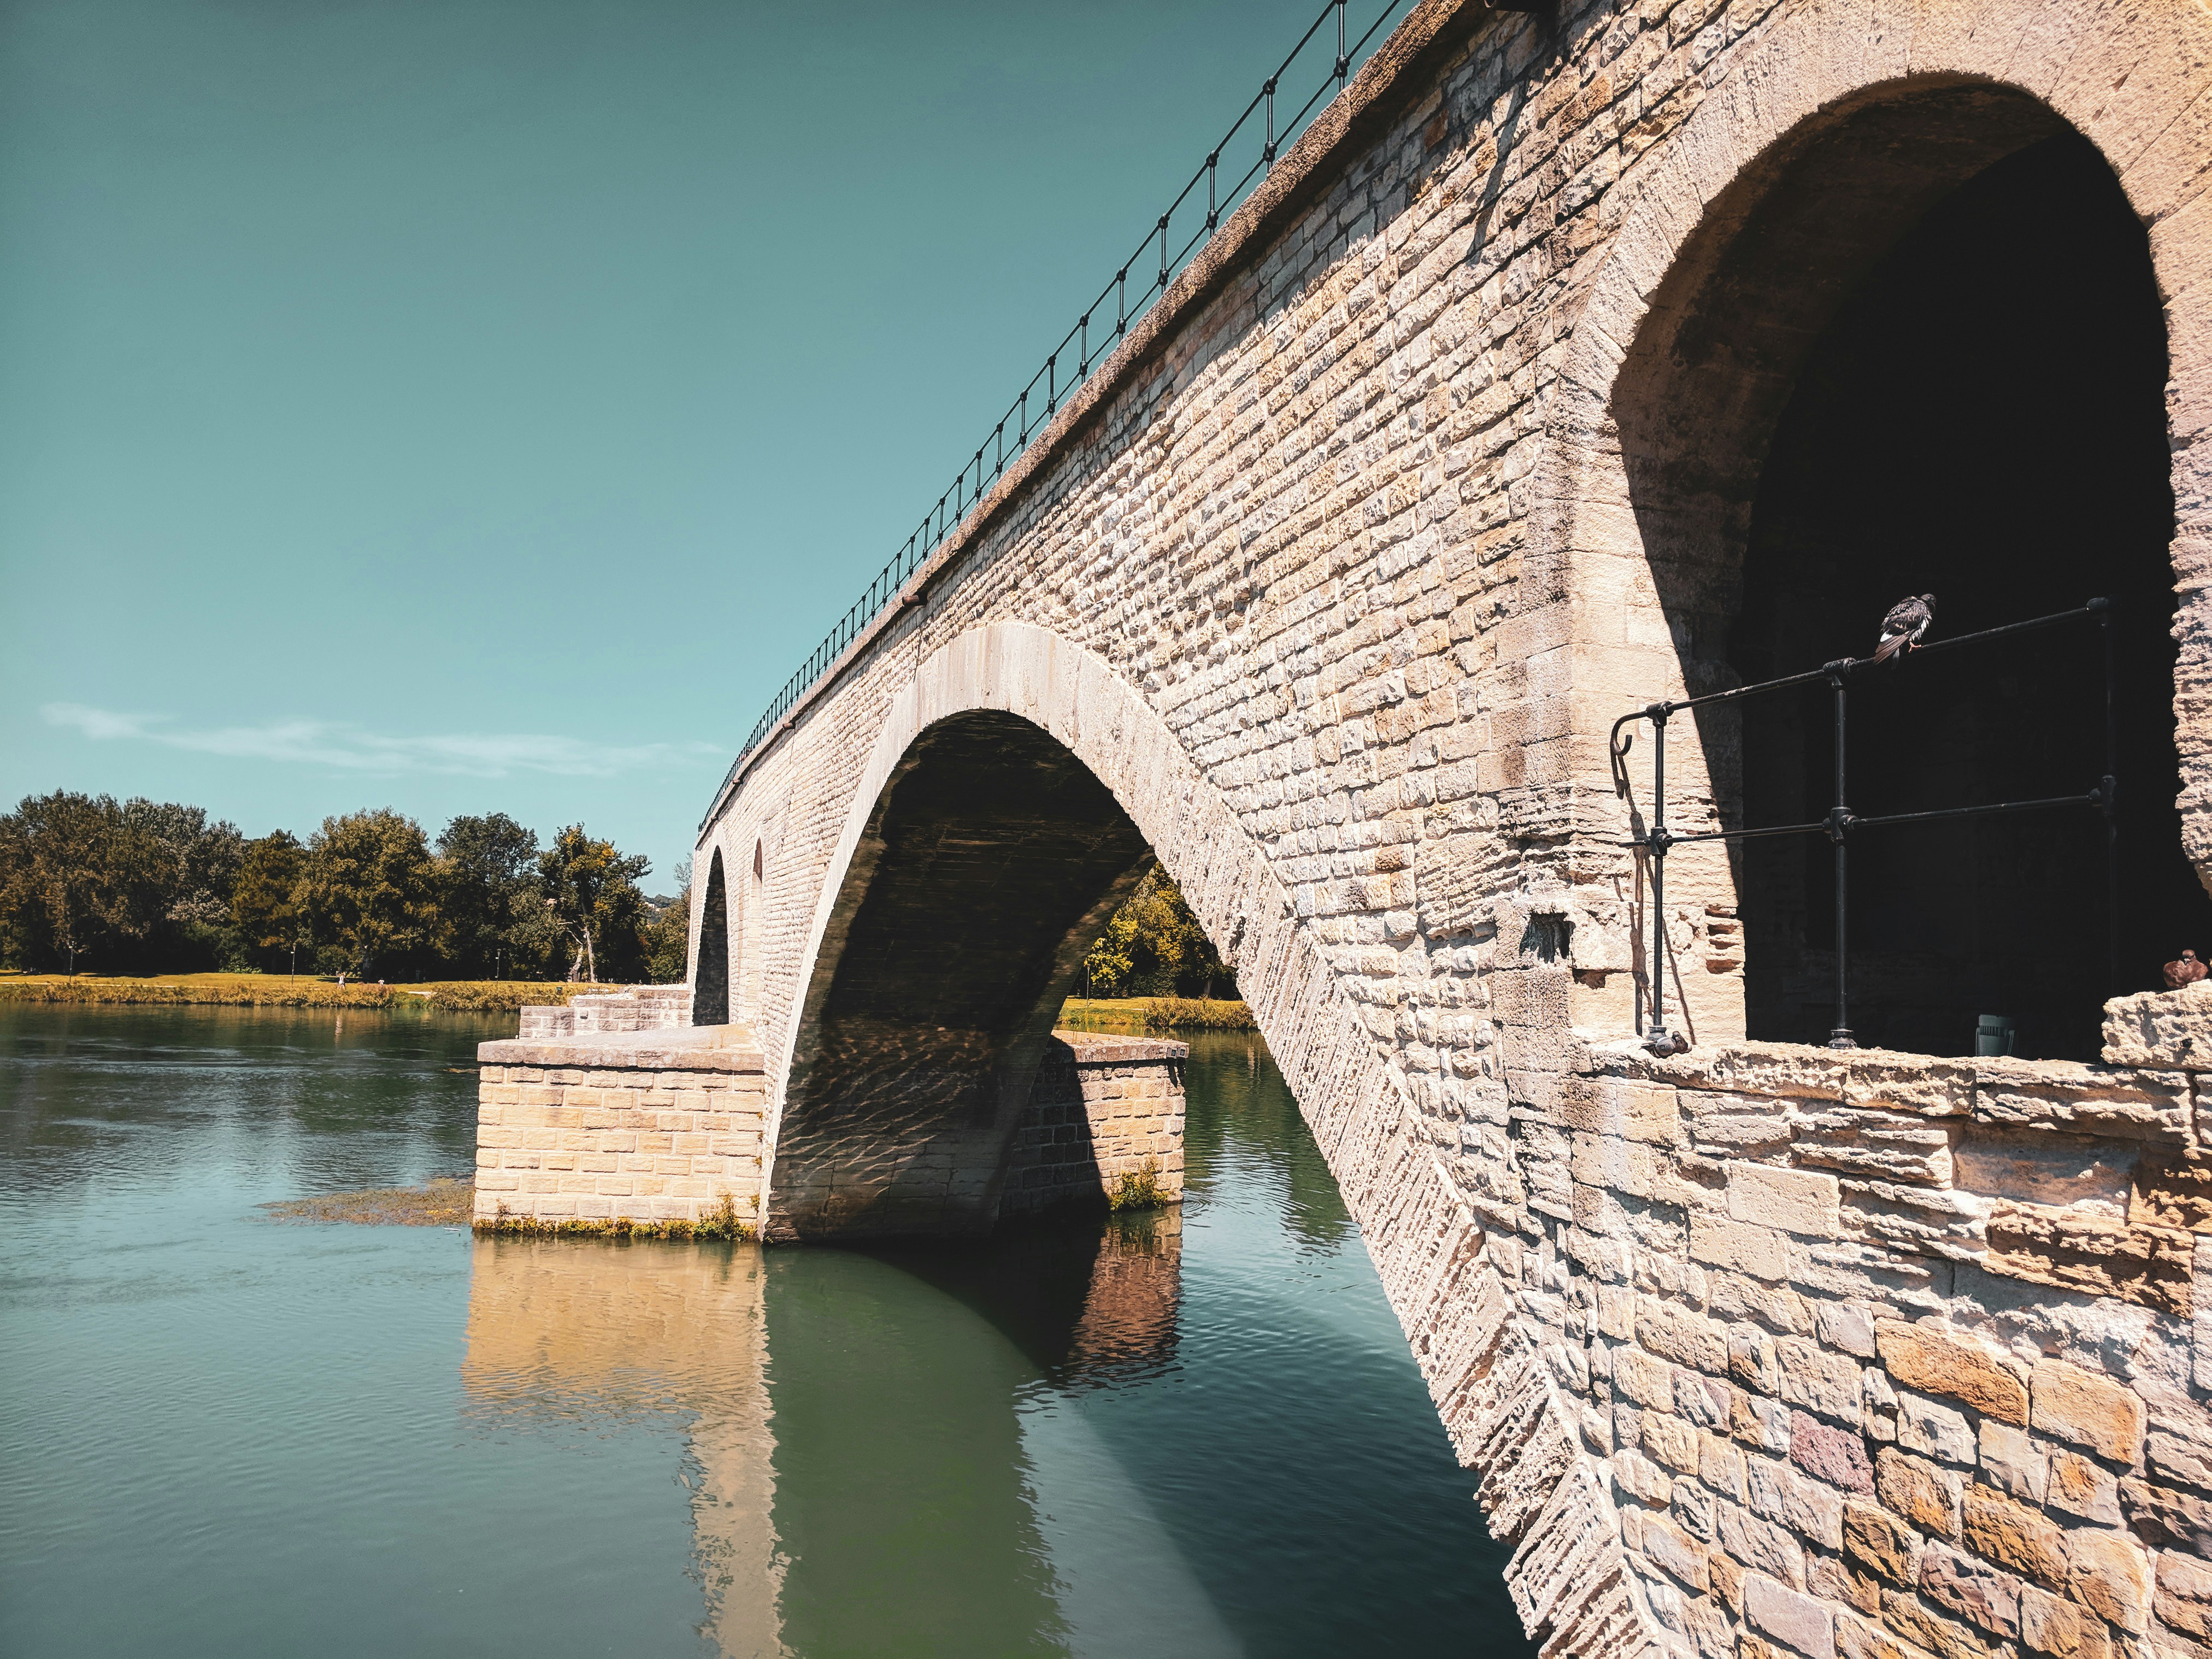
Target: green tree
x=1153, y=946
x=58, y=879
x=369, y=890
x=590, y=890
x=85, y=881
x=265, y=906
x=668, y=935
x=182, y=870
x=489, y=879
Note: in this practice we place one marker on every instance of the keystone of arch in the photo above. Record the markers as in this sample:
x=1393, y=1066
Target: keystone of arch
x=1506, y=1415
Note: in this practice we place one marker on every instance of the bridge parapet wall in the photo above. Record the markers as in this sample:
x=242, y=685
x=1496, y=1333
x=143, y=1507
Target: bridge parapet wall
x=641, y=1008
x=1890, y=1355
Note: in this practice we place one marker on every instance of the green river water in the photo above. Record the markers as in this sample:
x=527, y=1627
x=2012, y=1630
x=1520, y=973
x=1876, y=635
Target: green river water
x=1196, y=1433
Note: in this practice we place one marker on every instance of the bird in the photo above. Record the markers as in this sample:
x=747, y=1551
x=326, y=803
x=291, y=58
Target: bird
x=2187, y=971
x=1901, y=628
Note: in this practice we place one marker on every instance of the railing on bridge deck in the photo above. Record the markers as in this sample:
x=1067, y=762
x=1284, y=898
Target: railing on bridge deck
x=1841, y=823
x=1262, y=132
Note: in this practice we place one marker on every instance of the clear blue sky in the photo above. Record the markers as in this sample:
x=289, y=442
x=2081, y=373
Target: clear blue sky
x=482, y=405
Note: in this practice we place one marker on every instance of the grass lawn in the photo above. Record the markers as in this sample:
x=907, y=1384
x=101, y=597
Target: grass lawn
x=1158, y=1013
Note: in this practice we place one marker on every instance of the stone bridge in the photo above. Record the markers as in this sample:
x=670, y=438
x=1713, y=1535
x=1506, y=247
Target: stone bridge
x=1571, y=362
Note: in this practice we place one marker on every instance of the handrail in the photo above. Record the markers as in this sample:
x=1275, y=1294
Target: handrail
x=1051, y=385
x=1841, y=821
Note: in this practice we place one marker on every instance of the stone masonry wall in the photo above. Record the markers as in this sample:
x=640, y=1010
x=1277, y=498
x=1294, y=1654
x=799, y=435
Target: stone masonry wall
x=1892, y=1356
x=1332, y=575
x=1103, y=1107
x=649, y=1127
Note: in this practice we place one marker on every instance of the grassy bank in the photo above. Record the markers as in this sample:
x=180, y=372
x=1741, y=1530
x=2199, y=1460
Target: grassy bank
x=282, y=991
x=1158, y=1013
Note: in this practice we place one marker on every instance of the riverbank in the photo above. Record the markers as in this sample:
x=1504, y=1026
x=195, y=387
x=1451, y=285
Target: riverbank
x=504, y=996
x=284, y=990
x=1158, y=1013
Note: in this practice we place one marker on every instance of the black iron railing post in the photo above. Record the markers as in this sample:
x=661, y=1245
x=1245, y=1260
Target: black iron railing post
x=1658, y=839
x=1839, y=826
x=2110, y=789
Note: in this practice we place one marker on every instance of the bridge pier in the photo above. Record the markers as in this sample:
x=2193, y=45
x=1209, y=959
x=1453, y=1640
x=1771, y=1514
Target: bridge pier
x=610, y=1110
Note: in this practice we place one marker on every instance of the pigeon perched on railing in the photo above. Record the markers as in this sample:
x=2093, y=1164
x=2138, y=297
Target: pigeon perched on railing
x=2187, y=971
x=1901, y=628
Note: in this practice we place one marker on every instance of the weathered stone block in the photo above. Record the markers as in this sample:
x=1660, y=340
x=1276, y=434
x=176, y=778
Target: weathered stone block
x=2049, y=1094
x=2064, y=1628
x=2161, y=1028
x=1759, y=1251
x=1797, y=1622
x=2145, y=1264
x=2109, y=1573
x=1794, y=1200
x=2006, y=1530
x=1974, y=1590
x=2013, y=1462
x=1941, y=1361
x=2088, y=1410
x=2183, y=1598
x=1811, y=1510
x=1918, y=1491
x=1880, y=1544
x=1935, y=1430
x=1831, y=1454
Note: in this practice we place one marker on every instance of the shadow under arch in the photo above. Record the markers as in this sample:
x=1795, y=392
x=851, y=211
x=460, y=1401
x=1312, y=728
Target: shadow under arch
x=710, y=995
x=991, y=860
x=1917, y=345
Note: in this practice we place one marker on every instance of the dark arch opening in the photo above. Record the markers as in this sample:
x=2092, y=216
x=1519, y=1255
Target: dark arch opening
x=710, y=988
x=991, y=861
x=1921, y=349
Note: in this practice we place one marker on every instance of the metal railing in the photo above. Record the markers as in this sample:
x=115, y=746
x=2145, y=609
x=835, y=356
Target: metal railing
x=1265, y=129
x=1841, y=823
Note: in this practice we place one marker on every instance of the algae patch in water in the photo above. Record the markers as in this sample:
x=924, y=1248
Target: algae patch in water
x=445, y=1202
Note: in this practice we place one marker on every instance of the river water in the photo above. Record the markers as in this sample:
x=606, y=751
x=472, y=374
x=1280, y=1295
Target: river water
x=1195, y=1433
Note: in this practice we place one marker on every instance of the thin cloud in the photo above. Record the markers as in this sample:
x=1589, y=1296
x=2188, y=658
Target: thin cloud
x=354, y=749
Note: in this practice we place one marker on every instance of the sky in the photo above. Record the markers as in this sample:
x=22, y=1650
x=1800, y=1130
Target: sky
x=482, y=405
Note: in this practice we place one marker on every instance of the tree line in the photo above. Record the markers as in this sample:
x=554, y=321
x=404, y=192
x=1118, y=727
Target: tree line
x=141, y=886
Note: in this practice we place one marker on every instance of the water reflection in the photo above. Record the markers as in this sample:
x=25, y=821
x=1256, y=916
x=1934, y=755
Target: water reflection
x=647, y=1334
x=859, y=1477
x=1199, y=1436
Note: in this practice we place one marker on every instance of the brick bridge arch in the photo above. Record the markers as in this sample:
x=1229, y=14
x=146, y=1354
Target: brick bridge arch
x=1332, y=578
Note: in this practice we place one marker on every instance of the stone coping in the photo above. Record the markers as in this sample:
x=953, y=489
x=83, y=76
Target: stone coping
x=735, y=1048
x=670, y=1048
x=1111, y=1048
x=2121, y=1102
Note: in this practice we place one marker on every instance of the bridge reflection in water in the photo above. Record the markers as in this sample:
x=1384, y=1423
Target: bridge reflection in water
x=865, y=1428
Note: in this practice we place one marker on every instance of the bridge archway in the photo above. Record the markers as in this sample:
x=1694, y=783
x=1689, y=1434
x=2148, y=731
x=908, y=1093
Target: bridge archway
x=1806, y=280
x=710, y=974
x=1010, y=708
x=991, y=860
